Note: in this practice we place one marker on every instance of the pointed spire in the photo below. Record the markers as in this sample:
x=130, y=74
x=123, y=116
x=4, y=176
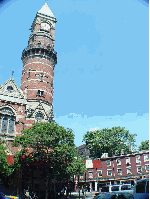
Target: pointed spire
x=46, y=10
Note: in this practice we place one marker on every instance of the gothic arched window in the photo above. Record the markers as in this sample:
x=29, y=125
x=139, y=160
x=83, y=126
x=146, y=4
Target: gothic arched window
x=7, y=121
x=39, y=117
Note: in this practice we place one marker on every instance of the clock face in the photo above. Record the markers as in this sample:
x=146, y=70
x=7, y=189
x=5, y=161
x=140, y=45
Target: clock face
x=45, y=26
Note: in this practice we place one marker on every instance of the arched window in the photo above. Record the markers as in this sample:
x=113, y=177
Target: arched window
x=39, y=117
x=7, y=121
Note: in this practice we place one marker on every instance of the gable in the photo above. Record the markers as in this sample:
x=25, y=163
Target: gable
x=9, y=91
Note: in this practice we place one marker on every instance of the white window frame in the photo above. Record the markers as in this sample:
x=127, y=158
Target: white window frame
x=127, y=160
x=146, y=158
x=138, y=170
x=137, y=157
x=147, y=171
x=108, y=171
x=129, y=169
x=108, y=165
x=118, y=172
x=90, y=172
x=118, y=163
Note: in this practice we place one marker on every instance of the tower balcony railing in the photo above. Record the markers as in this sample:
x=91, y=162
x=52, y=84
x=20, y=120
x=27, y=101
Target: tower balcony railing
x=40, y=49
x=44, y=46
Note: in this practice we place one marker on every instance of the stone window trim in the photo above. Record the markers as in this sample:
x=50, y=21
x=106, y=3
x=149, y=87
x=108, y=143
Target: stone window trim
x=7, y=123
x=9, y=110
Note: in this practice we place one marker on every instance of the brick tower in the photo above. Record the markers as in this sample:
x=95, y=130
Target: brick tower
x=39, y=59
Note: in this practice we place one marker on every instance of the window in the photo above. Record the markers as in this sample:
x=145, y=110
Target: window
x=147, y=168
x=40, y=93
x=108, y=163
x=100, y=173
x=115, y=188
x=81, y=176
x=109, y=172
x=4, y=124
x=140, y=187
x=9, y=88
x=7, y=121
x=125, y=187
x=146, y=158
x=29, y=72
x=90, y=174
x=41, y=77
x=137, y=157
x=129, y=170
x=11, y=125
x=127, y=160
x=105, y=189
x=118, y=161
x=39, y=117
x=119, y=171
x=139, y=169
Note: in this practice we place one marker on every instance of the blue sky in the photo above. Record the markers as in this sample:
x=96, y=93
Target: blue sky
x=102, y=76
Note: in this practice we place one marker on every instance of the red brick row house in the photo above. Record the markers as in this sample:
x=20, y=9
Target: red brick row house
x=115, y=170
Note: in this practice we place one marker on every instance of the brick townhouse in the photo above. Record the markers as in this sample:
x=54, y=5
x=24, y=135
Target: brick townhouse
x=121, y=169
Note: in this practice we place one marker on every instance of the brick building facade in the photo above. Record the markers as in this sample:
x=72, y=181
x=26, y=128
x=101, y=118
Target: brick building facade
x=115, y=170
x=33, y=102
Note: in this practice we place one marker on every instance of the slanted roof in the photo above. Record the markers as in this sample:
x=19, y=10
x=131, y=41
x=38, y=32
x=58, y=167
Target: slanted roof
x=46, y=11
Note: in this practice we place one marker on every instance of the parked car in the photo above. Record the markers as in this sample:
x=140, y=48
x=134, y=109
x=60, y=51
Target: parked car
x=118, y=188
x=117, y=195
x=141, y=189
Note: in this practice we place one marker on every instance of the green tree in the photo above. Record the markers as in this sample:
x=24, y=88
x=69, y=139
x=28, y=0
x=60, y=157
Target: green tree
x=111, y=141
x=5, y=169
x=144, y=145
x=52, y=144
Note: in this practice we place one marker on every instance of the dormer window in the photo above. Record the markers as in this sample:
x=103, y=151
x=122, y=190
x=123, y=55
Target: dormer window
x=9, y=88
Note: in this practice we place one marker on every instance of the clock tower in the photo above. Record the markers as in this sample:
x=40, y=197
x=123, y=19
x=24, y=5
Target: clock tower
x=39, y=59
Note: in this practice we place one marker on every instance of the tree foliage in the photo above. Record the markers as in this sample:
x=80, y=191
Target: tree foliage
x=52, y=144
x=5, y=168
x=144, y=145
x=111, y=141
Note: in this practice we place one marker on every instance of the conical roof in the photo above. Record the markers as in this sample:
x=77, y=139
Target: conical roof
x=46, y=10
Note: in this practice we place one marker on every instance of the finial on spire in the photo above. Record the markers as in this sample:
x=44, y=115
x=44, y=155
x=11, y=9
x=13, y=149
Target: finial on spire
x=12, y=73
